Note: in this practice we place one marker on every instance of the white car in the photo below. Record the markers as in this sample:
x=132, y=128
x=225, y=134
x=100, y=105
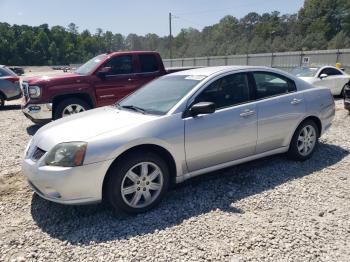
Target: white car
x=328, y=76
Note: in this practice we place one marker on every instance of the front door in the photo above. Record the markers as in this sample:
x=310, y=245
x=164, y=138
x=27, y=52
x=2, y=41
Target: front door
x=120, y=81
x=228, y=134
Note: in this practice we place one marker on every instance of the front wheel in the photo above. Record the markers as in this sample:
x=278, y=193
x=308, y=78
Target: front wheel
x=137, y=183
x=342, y=94
x=304, y=141
x=69, y=107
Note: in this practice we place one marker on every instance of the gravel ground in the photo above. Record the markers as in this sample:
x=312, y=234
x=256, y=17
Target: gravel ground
x=272, y=209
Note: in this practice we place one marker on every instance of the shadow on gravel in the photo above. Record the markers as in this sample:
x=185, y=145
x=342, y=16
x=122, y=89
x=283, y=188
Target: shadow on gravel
x=200, y=195
x=31, y=130
x=10, y=107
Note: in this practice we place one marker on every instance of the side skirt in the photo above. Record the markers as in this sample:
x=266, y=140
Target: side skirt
x=189, y=175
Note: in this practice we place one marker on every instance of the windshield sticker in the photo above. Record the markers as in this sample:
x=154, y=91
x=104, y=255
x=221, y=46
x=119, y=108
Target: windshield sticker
x=198, y=78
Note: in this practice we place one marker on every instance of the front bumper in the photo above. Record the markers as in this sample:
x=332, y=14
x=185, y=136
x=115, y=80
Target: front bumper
x=38, y=113
x=67, y=185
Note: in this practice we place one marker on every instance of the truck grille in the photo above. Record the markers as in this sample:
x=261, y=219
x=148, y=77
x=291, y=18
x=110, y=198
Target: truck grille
x=38, y=153
x=25, y=86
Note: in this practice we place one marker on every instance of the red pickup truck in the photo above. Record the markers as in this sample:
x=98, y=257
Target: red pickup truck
x=101, y=81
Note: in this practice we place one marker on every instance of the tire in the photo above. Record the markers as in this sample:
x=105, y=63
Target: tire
x=294, y=149
x=2, y=101
x=342, y=94
x=78, y=105
x=139, y=187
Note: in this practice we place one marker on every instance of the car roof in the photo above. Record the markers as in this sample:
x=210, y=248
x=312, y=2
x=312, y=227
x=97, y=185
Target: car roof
x=207, y=71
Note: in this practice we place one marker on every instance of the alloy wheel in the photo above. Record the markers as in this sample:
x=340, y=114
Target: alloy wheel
x=72, y=109
x=306, y=140
x=142, y=185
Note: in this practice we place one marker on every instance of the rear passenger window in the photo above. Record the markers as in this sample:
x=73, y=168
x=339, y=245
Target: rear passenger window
x=269, y=84
x=227, y=91
x=148, y=63
x=3, y=72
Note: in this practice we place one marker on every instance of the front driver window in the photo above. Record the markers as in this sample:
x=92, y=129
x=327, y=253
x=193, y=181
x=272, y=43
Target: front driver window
x=331, y=72
x=227, y=91
x=120, y=65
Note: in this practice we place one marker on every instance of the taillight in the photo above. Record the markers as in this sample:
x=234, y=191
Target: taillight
x=12, y=79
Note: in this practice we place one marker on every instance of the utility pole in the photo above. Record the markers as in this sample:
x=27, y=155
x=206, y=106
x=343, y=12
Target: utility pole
x=170, y=37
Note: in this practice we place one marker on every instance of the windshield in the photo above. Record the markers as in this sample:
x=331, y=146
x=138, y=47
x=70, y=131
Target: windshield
x=90, y=65
x=160, y=95
x=305, y=71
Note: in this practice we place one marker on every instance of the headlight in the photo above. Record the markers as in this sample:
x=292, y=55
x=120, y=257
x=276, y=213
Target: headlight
x=34, y=91
x=67, y=154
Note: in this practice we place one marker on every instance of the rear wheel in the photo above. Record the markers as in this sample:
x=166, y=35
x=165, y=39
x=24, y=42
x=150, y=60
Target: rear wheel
x=2, y=101
x=304, y=141
x=69, y=107
x=137, y=183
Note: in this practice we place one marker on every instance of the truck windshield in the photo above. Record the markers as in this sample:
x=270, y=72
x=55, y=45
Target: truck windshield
x=90, y=65
x=160, y=95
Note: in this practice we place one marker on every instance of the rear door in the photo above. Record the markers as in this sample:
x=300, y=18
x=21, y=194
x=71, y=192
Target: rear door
x=280, y=109
x=119, y=82
x=230, y=133
x=148, y=68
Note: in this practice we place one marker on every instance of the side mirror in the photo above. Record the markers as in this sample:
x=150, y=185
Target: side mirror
x=323, y=76
x=202, y=108
x=104, y=71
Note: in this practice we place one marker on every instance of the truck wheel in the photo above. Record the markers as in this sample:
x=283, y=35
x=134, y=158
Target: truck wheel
x=304, y=141
x=137, y=183
x=69, y=107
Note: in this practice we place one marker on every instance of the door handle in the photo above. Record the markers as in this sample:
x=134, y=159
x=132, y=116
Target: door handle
x=296, y=101
x=130, y=79
x=247, y=112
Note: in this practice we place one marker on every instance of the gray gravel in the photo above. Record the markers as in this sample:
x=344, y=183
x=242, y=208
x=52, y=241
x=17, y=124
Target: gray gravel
x=272, y=209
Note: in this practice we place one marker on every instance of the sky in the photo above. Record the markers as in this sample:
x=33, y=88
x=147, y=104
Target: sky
x=135, y=16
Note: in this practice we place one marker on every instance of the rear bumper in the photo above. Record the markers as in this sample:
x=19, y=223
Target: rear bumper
x=38, y=113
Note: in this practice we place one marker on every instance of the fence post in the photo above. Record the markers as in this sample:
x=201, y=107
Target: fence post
x=194, y=61
x=338, y=55
x=301, y=58
x=247, y=59
x=208, y=61
x=226, y=58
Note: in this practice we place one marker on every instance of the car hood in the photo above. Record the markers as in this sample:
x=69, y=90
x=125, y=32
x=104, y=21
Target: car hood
x=86, y=125
x=53, y=79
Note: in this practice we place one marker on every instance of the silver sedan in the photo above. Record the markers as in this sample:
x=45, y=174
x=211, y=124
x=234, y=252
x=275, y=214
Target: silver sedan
x=179, y=126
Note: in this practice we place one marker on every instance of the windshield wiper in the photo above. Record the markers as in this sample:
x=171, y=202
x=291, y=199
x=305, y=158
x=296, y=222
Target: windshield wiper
x=135, y=108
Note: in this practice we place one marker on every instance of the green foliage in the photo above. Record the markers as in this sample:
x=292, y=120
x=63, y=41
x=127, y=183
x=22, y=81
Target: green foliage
x=320, y=24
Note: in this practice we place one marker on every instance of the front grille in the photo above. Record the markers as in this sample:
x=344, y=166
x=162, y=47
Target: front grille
x=25, y=86
x=38, y=153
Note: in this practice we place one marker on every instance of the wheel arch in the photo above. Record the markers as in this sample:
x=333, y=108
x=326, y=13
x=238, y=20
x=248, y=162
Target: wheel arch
x=313, y=118
x=83, y=96
x=159, y=150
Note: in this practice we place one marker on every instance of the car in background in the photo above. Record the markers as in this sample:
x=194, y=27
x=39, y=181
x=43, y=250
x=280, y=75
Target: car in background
x=176, y=127
x=17, y=69
x=101, y=81
x=347, y=97
x=10, y=88
x=327, y=76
